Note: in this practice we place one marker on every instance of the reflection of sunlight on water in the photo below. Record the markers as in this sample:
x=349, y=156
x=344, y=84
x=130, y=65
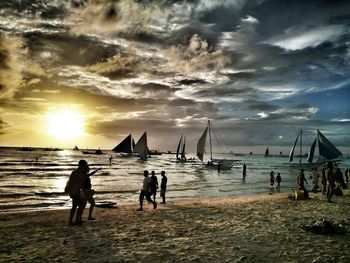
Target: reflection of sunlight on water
x=65, y=153
x=60, y=183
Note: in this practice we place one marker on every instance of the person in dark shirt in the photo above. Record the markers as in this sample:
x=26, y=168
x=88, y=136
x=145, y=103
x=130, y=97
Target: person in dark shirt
x=278, y=180
x=300, y=180
x=154, y=185
x=163, y=186
x=244, y=173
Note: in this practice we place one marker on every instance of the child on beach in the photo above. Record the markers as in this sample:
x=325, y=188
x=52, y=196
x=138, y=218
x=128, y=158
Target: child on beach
x=300, y=181
x=88, y=193
x=154, y=185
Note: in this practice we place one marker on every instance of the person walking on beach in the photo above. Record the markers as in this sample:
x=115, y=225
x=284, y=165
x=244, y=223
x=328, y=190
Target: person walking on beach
x=278, y=180
x=154, y=185
x=272, y=178
x=146, y=191
x=73, y=188
x=163, y=186
x=88, y=193
x=244, y=172
x=330, y=181
x=300, y=181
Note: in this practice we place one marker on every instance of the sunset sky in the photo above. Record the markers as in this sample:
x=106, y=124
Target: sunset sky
x=88, y=73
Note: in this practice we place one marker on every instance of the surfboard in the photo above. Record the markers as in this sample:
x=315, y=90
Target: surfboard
x=105, y=204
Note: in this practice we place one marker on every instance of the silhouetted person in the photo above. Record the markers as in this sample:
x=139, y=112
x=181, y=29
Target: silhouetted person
x=347, y=174
x=154, y=185
x=163, y=186
x=300, y=181
x=89, y=193
x=272, y=178
x=110, y=160
x=278, y=180
x=244, y=172
x=339, y=178
x=73, y=188
x=315, y=175
x=330, y=181
x=146, y=191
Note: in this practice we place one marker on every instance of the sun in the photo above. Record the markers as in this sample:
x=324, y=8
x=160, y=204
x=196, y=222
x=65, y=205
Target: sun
x=65, y=124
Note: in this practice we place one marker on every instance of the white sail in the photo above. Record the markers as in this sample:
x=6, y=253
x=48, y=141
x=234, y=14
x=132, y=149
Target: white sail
x=141, y=147
x=201, y=145
x=179, y=147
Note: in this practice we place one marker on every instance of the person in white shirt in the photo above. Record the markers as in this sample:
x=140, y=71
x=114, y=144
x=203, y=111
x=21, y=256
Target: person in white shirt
x=146, y=191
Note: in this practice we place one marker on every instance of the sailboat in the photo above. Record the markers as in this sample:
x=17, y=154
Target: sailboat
x=141, y=147
x=327, y=151
x=267, y=153
x=180, y=151
x=126, y=147
x=224, y=164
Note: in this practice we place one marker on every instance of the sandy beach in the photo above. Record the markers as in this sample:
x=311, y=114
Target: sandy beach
x=261, y=228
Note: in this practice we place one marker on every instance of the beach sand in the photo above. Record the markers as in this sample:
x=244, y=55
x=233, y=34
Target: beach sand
x=261, y=228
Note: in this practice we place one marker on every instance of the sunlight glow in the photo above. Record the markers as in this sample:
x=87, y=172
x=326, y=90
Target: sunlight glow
x=65, y=124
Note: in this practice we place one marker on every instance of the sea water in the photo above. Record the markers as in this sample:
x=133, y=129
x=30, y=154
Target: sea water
x=35, y=180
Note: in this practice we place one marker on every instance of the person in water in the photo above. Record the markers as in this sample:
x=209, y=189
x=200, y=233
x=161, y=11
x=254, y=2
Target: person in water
x=163, y=186
x=278, y=180
x=73, y=188
x=88, y=193
x=244, y=172
x=272, y=178
x=146, y=191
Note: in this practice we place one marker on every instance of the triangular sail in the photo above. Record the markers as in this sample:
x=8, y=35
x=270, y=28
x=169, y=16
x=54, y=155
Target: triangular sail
x=183, y=155
x=126, y=146
x=326, y=148
x=310, y=157
x=201, y=145
x=267, y=152
x=178, y=147
x=291, y=154
x=141, y=147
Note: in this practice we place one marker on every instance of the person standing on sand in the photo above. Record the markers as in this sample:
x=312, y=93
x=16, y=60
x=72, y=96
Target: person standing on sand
x=154, y=185
x=163, y=186
x=314, y=175
x=278, y=180
x=300, y=181
x=330, y=181
x=146, y=191
x=73, y=188
x=244, y=173
x=88, y=193
x=272, y=178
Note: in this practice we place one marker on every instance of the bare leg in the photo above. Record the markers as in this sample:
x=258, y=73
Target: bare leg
x=91, y=209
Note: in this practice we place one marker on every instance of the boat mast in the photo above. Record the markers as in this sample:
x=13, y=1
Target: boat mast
x=301, y=145
x=211, y=153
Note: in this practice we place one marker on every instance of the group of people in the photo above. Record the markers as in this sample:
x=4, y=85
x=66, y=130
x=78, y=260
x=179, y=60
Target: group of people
x=332, y=182
x=80, y=191
x=278, y=179
x=149, y=189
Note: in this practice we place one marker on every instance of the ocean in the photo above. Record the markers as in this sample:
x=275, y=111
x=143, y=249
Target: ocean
x=35, y=180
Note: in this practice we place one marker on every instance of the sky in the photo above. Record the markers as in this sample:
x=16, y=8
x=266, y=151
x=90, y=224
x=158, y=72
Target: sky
x=88, y=73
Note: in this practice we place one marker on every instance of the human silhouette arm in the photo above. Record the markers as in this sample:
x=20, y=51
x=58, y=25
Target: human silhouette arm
x=92, y=173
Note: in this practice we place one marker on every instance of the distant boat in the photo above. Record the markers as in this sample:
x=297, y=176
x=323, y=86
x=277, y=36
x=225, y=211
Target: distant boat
x=126, y=146
x=155, y=152
x=75, y=148
x=181, y=148
x=141, y=147
x=267, y=153
x=97, y=152
x=224, y=164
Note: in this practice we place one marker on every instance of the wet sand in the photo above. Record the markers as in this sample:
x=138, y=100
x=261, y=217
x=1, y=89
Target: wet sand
x=261, y=228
